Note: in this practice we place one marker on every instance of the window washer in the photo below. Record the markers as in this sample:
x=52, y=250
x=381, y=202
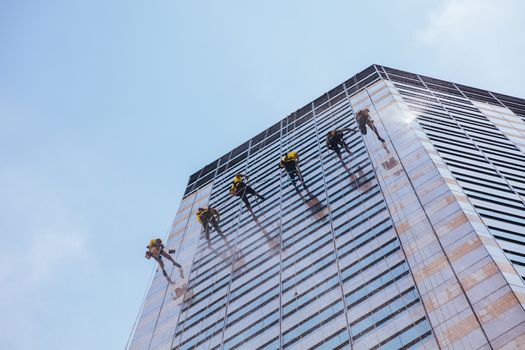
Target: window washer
x=363, y=119
x=241, y=189
x=335, y=140
x=209, y=217
x=290, y=163
x=156, y=251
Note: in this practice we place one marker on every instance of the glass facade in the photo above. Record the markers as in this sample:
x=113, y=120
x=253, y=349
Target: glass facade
x=488, y=165
x=390, y=248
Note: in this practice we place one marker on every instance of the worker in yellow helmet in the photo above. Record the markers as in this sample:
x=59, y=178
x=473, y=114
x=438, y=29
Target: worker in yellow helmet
x=363, y=119
x=156, y=251
x=290, y=163
x=209, y=216
x=335, y=140
x=241, y=189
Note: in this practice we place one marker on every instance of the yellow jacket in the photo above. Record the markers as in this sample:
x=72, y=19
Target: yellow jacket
x=205, y=213
x=237, y=180
x=290, y=157
x=154, y=242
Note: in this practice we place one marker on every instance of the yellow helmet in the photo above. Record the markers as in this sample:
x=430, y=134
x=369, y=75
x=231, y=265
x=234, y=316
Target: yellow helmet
x=153, y=242
x=293, y=155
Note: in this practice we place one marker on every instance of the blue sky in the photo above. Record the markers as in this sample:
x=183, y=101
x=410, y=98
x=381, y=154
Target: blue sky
x=101, y=103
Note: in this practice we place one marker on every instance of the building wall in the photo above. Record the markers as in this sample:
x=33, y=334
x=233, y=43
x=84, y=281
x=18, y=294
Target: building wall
x=467, y=235
x=384, y=251
x=159, y=314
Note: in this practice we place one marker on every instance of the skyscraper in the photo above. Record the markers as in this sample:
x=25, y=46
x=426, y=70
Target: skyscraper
x=417, y=242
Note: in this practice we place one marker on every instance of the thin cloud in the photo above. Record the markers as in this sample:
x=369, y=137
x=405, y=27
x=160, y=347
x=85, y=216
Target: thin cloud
x=45, y=242
x=484, y=38
x=24, y=274
x=456, y=19
x=24, y=270
x=47, y=232
x=49, y=250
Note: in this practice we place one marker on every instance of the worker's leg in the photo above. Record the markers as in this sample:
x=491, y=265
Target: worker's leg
x=244, y=198
x=361, y=125
x=337, y=151
x=333, y=146
x=291, y=170
x=218, y=229
x=250, y=190
x=300, y=175
x=374, y=129
x=206, y=227
x=291, y=174
x=343, y=144
x=167, y=256
x=161, y=265
x=216, y=226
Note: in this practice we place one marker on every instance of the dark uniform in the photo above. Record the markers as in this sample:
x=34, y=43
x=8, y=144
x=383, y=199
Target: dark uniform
x=289, y=163
x=335, y=140
x=363, y=119
x=240, y=189
x=207, y=217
